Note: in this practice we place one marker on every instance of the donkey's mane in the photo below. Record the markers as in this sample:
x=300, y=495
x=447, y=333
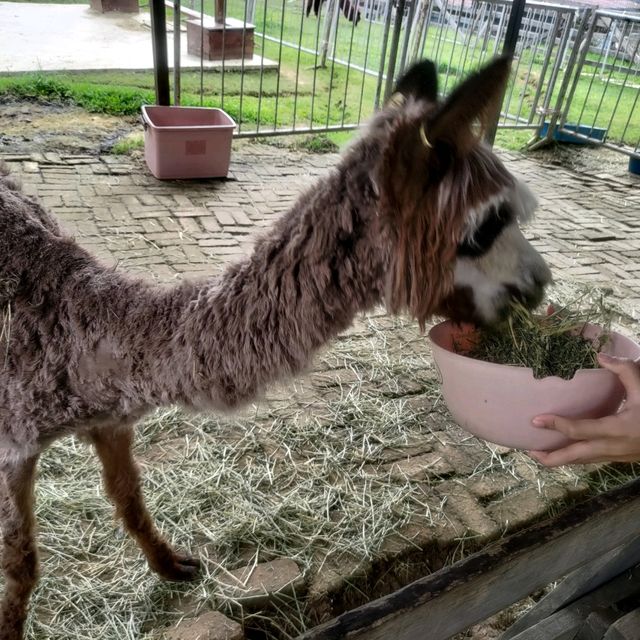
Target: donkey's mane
x=429, y=209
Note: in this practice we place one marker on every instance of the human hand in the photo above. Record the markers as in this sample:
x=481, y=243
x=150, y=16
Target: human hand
x=614, y=438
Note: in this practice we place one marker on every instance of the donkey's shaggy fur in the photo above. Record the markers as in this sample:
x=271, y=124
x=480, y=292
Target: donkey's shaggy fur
x=87, y=350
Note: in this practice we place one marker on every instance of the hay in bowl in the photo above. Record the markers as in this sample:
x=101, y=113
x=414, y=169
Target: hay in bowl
x=551, y=345
x=496, y=401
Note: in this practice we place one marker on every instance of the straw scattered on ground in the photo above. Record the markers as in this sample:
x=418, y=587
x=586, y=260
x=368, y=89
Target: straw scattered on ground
x=303, y=475
x=293, y=479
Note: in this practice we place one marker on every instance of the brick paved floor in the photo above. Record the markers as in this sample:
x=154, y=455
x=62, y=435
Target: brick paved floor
x=588, y=229
x=588, y=226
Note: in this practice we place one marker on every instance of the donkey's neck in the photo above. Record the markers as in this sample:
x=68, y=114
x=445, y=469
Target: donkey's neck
x=134, y=346
x=321, y=264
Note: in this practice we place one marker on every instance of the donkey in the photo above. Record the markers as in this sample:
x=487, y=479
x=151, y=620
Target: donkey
x=419, y=214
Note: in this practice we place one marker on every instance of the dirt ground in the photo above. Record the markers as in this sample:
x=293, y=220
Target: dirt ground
x=69, y=129
x=30, y=126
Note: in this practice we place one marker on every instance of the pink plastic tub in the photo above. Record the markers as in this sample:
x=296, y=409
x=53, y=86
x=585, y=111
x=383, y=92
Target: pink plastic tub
x=497, y=402
x=187, y=142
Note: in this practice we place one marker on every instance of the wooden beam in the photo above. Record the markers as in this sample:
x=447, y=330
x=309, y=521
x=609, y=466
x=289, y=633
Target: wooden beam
x=600, y=570
x=625, y=628
x=454, y=598
x=567, y=622
x=597, y=623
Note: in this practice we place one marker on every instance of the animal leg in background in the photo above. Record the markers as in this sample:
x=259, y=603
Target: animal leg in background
x=19, y=555
x=351, y=12
x=122, y=484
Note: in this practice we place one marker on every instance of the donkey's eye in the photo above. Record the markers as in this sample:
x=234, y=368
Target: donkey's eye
x=496, y=219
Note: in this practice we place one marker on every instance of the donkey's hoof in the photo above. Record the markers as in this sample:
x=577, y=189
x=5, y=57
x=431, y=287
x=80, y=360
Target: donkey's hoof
x=180, y=567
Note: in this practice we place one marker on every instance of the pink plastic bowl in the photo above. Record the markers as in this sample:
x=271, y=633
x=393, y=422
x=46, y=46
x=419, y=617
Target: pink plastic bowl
x=497, y=402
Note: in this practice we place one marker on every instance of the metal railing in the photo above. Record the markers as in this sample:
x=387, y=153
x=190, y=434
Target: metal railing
x=322, y=66
x=602, y=102
x=462, y=36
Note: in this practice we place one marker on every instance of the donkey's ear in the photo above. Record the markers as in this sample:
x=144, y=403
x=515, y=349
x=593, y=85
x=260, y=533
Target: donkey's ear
x=469, y=110
x=420, y=82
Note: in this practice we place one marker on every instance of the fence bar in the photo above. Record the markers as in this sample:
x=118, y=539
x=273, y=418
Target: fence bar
x=159, y=44
x=176, y=52
x=509, y=47
x=513, y=26
x=407, y=35
x=566, y=31
x=457, y=34
x=579, y=49
x=393, y=53
x=272, y=133
x=331, y=22
x=385, y=40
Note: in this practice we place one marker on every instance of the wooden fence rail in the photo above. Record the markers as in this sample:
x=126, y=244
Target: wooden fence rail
x=600, y=536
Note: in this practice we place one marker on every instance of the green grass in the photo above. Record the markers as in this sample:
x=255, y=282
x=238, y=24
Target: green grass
x=122, y=94
x=89, y=91
x=596, y=100
x=269, y=99
x=304, y=96
x=132, y=142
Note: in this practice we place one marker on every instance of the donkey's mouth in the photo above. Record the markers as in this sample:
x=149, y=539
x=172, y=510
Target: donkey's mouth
x=529, y=298
x=463, y=306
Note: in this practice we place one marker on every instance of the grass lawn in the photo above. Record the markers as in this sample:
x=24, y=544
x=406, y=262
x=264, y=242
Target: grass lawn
x=302, y=96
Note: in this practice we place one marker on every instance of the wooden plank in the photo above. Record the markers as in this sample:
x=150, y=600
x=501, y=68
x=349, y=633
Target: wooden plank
x=563, y=625
x=578, y=583
x=454, y=598
x=625, y=628
x=597, y=623
x=567, y=622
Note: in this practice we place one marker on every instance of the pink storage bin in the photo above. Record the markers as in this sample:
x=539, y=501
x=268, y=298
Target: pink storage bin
x=187, y=142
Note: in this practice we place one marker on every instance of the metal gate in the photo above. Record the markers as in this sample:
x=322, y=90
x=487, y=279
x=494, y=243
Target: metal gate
x=599, y=100
x=327, y=65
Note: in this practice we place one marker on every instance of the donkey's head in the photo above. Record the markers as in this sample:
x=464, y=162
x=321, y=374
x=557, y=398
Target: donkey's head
x=452, y=207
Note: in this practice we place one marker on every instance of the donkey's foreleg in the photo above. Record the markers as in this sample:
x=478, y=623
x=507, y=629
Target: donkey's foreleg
x=122, y=483
x=19, y=555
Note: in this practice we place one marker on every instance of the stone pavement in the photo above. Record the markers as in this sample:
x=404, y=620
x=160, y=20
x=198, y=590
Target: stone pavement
x=588, y=229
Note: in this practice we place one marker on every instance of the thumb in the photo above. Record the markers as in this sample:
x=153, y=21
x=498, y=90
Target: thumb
x=627, y=370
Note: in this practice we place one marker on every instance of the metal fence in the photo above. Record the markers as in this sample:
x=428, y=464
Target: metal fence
x=327, y=65
x=599, y=102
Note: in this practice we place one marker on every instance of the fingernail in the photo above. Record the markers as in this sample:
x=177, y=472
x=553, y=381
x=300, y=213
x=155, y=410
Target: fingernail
x=539, y=422
x=603, y=357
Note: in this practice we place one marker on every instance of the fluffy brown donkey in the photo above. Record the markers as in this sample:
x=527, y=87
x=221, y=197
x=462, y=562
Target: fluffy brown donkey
x=419, y=214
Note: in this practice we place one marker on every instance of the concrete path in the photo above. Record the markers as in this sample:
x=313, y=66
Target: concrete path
x=72, y=37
